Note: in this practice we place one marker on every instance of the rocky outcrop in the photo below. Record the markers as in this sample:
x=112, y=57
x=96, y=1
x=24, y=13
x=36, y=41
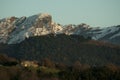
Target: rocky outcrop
x=14, y=30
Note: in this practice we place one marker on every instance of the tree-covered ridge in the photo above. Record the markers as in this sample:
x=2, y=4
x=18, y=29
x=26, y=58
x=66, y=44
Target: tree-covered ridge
x=63, y=48
x=59, y=57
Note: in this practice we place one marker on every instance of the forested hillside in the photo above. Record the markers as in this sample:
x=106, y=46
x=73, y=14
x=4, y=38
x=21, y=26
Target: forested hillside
x=65, y=49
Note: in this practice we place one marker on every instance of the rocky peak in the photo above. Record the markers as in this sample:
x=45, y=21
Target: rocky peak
x=44, y=19
x=14, y=30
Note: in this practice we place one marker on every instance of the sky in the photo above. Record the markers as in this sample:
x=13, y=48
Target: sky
x=96, y=13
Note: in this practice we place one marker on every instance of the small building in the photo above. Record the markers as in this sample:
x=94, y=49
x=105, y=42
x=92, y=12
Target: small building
x=29, y=63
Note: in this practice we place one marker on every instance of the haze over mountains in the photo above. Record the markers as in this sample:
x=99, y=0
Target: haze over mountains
x=14, y=30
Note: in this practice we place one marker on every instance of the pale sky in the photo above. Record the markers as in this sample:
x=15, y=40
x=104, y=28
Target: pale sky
x=102, y=13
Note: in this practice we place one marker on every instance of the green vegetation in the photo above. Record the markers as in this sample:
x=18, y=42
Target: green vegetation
x=107, y=72
x=65, y=49
x=60, y=57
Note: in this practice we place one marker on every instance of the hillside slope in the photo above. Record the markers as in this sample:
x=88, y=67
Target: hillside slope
x=14, y=30
x=64, y=48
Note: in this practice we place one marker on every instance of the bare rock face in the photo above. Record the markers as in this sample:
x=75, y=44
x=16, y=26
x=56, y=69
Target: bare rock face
x=6, y=27
x=43, y=25
x=14, y=30
x=45, y=19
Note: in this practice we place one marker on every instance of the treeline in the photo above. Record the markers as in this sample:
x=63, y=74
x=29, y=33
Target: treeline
x=12, y=69
x=108, y=72
x=64, y=48
x=48, y=70
x=60, y=57
x=68, y=49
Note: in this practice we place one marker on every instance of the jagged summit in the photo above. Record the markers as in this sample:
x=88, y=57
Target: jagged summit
x=43, y=15
x=14, y=30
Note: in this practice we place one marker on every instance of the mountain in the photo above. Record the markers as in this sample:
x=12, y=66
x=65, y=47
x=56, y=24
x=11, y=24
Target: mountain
x=36, y=48
x=107, y=34
x=14, y=30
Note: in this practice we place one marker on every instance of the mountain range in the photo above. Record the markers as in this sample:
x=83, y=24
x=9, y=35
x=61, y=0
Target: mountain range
x=14, y=30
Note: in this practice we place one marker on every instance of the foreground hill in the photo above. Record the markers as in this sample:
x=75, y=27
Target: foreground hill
x=11, y=69
x=65, y=49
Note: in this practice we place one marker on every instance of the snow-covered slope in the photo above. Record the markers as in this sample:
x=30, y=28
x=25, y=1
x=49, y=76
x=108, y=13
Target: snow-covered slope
x=107, y=34
x=110, y=34
x=14, y=30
